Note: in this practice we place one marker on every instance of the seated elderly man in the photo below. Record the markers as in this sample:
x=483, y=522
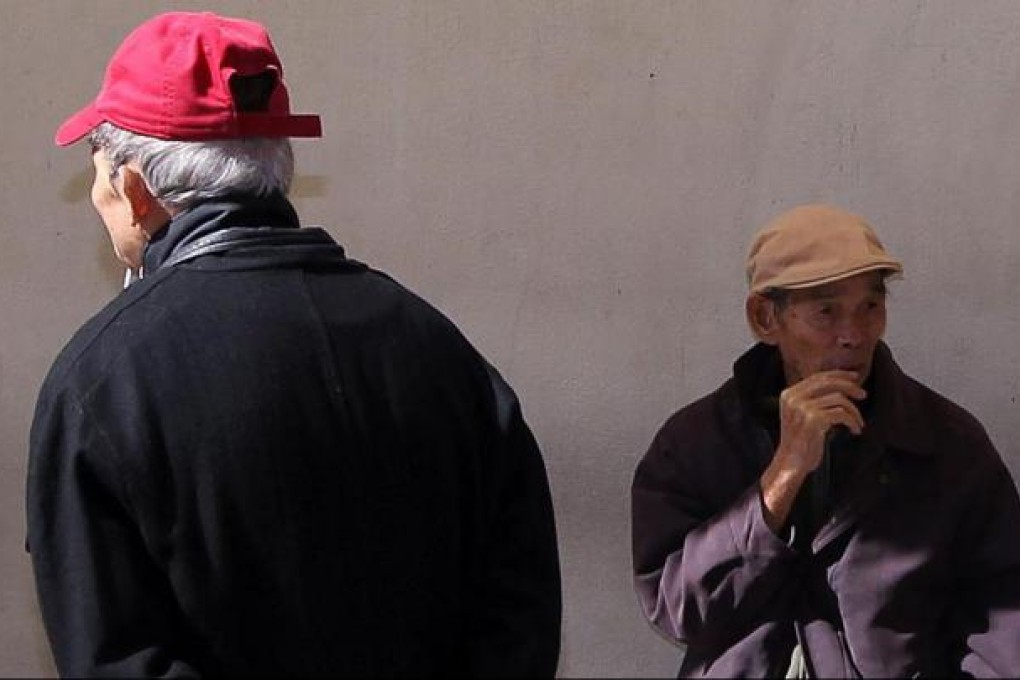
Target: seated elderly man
x=822, y=514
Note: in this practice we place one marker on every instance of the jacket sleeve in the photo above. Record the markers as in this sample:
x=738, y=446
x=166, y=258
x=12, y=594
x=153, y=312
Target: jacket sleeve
x=707, y=567
x=986, y=634
x=106, y=607
x=515, y=631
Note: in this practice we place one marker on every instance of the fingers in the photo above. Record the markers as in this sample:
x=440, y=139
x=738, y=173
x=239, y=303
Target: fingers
x=812, y=407
x=825, y=389
x=824, y=382
x=811, y=419
x=834, y=409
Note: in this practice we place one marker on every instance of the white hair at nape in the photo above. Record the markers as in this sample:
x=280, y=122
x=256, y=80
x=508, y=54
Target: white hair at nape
x=182, y=174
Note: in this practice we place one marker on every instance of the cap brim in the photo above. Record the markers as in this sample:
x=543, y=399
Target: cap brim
x=78, y=125
x=895, y=269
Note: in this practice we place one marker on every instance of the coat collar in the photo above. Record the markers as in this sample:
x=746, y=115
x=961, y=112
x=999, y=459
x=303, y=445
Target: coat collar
x=899, y=417
x=205, y=218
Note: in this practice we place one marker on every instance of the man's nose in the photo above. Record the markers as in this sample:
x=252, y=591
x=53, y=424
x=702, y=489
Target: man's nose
x=852, y=333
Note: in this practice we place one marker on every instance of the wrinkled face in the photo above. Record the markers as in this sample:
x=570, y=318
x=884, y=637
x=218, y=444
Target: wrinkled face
x=114, y=209
x=833, y=326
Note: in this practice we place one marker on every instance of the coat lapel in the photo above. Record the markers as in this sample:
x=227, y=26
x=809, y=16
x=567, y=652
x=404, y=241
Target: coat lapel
x=875, y=477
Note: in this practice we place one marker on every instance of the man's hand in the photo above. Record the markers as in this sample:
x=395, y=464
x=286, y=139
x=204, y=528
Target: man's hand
x=807, y=411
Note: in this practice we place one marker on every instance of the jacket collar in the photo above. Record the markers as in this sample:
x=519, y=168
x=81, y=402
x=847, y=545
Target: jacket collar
x=894, y=414
x=273, y=210
x=900, y=417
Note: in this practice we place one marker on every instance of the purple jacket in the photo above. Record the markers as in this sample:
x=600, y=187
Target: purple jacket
x=916, y=572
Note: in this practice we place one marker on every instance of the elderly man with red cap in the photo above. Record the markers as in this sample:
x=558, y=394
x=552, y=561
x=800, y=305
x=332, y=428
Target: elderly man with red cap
x=822, y=514
x=262, y=457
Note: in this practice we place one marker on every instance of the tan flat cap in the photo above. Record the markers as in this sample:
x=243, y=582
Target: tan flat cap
x=812, y=245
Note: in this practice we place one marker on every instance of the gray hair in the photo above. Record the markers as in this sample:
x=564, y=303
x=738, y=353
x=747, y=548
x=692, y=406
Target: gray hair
x=181, y=174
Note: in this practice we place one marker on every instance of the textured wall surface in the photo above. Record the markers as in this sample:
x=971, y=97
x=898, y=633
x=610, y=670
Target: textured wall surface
x=574, y=184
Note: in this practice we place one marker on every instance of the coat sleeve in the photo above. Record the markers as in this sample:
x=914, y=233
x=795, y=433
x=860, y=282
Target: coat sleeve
x=515, y=631
x=707, y=567
x=986, y=634
x=106, y=607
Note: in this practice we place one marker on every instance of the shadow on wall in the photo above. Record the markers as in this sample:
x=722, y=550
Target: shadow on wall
x=78, y=186
x=76, y=191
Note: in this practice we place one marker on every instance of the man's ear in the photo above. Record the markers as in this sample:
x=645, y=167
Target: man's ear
x=762, y=317
x=146, y=211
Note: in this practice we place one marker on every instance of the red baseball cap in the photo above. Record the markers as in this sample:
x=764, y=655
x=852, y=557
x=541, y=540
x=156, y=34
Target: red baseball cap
x=170, y=79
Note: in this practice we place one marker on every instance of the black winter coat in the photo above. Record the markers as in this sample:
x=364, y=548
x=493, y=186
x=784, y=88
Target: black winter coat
x=270, y=459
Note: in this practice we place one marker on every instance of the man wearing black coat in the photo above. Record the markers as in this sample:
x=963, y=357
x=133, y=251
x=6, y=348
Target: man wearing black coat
x=264, y=457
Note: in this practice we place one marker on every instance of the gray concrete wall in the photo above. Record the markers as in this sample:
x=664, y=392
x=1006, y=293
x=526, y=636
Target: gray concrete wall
x=574, y=183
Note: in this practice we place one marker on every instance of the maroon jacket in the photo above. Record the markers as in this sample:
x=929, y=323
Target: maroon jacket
x=916, y=572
